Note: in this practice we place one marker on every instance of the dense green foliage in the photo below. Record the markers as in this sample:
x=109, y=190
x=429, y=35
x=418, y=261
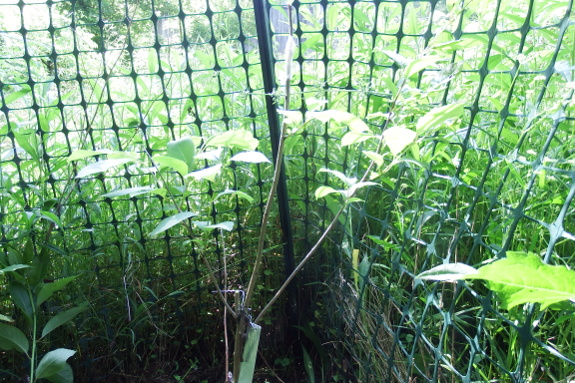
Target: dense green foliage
x=136, y=158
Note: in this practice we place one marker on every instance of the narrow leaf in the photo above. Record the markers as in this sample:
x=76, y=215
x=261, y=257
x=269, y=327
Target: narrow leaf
x=50, y=288
x=102, y=166
x=81, y=154
x=62, y=318
x=237, y=193
x=173, y=220
x=438, y=115
x=12, y=338
x=448, y=272
x=53, y=362
x=375, y=157
x=130, y=191
x=12, y=268
x=420, y=64
x=250, y=354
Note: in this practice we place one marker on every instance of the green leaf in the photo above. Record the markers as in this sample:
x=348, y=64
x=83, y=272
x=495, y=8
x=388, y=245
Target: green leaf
x=521, y=278
x=438, y=115
x=250, y=353
x=346, y=180
x=13, y=268
x=49, y=216
x=6, y=318
x=65, y=375
x=251, y=157
x=62, y=318
x=354, y=123
x=351, y=138
x=173, y=163
x=12, y=338
x=21, y=298
x=397, y=138
x=40, y=265
x=16, y=95
x=227, y=225
x=308, y=365
x=53, y=362
x=237, y=193
x=448, y=272
x=322, y=191
x=130, y=191
x=81, y=154
x=375, y=157
x=241, y=139
x=417, y=65
x=102, y=166
x=209, y=173
x=184, y=150
x=173, y=220
x=49, y=289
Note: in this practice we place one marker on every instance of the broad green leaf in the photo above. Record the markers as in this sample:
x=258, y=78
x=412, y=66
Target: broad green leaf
x=448, y=272
x=53, y=362
x=417, y=65
x=65, y=375
x=322, y=191
x=184, y=150
x=397, y=58
x=250, y=353
x=81, y=154
x=6, y=318
x=173, y=163
x=62, y=318
x=375, y=157
x=102, y=166
x=292, y=117
x=308, y=365
x=355, y=187
x=347, y=180
x=237, y=193
x=209, y=173
x=521, y=278
x=21, y=298
x=351, y=138
x=251, y=157
x=40, y=265
x=49, y=216
x=241, y=139
x=438, y=115
x=50, y=288
x=12, y=338
x=397, y=138
x=130, y=191
x=171, y=221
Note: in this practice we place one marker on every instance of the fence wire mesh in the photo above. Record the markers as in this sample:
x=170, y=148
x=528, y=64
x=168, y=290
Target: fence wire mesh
x=83, y=82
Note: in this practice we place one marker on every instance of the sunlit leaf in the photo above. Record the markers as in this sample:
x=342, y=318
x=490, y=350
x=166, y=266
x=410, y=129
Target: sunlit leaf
x=447, y=272
x=102, y=166
x=347, y=180
x=398, y=138
x=438, y=115
x=81, y=154
x=171, y=221
x=322, y=191
x=172, y=163
x=209, y=173
x=251, y=157
x=375, y=157
x=419, y=64
x=237, y=193
x=130, y=191
x=240, y=139
x=521, y=278
x=184, y=150
x=227, y=225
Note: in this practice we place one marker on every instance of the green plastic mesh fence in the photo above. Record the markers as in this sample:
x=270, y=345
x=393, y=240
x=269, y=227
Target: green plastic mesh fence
x=97, y=95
